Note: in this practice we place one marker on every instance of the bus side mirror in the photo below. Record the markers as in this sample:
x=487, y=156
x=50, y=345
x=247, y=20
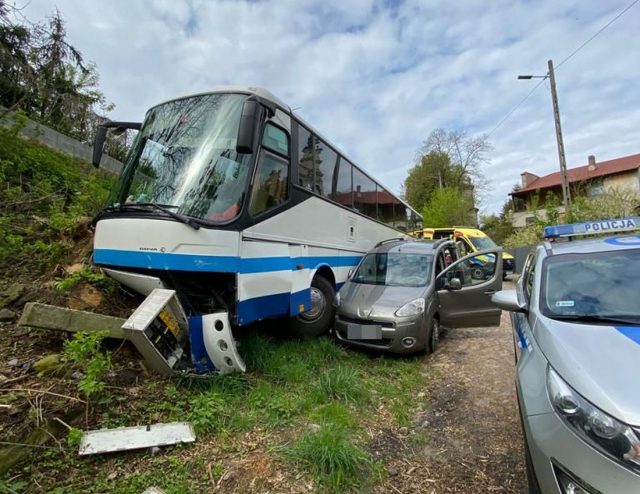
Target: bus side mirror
x=101, y=136
x=250, y=120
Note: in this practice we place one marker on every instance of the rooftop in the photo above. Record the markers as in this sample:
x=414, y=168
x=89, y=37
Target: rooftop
x=583, y=173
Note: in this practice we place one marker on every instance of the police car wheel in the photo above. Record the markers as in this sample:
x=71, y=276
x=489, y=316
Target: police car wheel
x=318, y=319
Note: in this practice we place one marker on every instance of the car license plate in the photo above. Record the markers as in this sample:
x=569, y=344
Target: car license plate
x=364, y=331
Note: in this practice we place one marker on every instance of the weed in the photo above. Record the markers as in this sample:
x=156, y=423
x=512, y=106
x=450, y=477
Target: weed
x=335, y=413
x=209, y=412
x=336, y=461
x=274, y=404
x=74, y=436
x=85, y=274
x=84, y=351
x=341, y=384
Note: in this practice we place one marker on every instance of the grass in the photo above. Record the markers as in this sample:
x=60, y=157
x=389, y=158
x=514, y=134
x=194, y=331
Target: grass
x=313, y=404
x=337, y=461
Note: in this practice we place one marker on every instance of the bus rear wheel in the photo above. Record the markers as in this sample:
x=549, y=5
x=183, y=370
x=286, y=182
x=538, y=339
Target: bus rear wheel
x=318, y=319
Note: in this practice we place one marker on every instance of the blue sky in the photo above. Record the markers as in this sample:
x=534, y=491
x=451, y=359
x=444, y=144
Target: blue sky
x=376, y=77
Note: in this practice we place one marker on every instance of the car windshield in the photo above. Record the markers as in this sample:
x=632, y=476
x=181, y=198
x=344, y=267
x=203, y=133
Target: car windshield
x=185, y=159
x=481, y=243
x=394, y=269
x=602, y=284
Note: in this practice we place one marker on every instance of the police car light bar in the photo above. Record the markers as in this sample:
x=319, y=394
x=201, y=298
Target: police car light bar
x=592, y=227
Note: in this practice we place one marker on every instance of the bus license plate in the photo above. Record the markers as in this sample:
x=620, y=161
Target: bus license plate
x=364, y=332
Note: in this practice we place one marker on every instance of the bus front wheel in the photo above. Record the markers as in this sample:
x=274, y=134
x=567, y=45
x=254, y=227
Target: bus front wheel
x=317, y=320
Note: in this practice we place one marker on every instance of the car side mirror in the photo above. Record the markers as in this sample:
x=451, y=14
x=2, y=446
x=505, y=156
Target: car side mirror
x=508, y=300
x=454, y=284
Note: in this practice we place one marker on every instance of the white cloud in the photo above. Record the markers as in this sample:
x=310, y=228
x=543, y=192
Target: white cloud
x=377, y=76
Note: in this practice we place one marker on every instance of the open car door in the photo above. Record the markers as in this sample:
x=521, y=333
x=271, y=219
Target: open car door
x=465, y=288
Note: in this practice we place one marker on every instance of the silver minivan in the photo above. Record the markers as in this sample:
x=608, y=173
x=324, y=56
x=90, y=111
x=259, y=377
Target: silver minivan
x=403, y=292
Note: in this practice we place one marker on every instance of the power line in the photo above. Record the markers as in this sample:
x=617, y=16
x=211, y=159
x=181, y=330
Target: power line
x=620, y=14
x=516, y=107
x=595, y=35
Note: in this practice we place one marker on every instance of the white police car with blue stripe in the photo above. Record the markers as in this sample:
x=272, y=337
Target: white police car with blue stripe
x=576, y=319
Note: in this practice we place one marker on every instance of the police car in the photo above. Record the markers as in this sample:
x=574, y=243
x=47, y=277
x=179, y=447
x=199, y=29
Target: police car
x=576, y=321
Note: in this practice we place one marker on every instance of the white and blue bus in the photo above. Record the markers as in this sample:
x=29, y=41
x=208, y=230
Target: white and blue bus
x=237, y=204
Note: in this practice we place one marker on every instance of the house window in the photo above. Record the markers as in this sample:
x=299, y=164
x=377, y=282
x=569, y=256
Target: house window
x=596, y=188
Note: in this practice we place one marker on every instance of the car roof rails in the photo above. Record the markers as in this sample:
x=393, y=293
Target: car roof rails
x=389, y=240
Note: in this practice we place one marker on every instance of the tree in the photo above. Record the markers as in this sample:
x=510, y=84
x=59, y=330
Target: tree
x=45, y=76
x=467, y=154
x=448, y=206
x=434, y=170
x=447, y=159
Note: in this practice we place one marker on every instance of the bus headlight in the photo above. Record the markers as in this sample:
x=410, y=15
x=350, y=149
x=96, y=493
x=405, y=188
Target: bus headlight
x=412, y=308
x=598, y=428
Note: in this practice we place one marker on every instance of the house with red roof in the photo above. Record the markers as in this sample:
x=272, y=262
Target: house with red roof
x=589, y=180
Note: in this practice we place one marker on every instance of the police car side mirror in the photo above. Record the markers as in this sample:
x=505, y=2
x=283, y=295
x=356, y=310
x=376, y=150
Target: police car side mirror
x=508, y=300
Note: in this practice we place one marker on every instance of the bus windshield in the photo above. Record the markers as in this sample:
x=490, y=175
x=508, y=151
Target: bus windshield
x=184, y=159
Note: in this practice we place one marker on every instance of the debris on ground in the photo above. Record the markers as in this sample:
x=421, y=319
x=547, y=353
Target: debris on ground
x=137, y=437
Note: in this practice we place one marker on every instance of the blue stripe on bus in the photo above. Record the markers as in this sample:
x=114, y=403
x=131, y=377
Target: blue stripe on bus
x=631, y=332
x=303, y=297
x=219, y=264
x=257, y=308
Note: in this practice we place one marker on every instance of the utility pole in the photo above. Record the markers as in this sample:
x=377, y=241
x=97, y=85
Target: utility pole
x=566, y=193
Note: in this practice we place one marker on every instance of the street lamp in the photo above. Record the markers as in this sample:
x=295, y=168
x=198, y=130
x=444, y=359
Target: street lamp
x=566, y=194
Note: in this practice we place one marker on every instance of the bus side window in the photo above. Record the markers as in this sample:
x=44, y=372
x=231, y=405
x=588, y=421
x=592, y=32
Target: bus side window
x=270, y=188
x=305, y=158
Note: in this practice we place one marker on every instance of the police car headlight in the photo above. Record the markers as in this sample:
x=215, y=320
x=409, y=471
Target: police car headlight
x=413, y=308
x=598, y=428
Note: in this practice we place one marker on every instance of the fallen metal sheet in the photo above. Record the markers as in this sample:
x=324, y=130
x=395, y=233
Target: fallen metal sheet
x=144, y=436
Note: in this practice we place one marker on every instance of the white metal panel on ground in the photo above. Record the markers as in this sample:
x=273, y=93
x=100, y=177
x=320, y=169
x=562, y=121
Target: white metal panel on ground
x=144, y=436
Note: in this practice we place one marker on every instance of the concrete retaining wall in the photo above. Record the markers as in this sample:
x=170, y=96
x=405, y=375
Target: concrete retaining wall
x=60, y=142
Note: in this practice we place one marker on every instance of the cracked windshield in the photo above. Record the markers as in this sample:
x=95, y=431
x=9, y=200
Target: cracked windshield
x=185, y=159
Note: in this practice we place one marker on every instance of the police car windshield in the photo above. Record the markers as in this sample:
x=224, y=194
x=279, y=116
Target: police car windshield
x=394, y=269
x=601, y=284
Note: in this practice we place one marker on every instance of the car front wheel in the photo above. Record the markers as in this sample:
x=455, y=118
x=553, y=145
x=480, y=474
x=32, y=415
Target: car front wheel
x=433, y=335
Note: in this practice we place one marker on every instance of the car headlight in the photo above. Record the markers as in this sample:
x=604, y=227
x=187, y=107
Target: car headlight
x=336, y=300
x=598, y=428
x=412, y=308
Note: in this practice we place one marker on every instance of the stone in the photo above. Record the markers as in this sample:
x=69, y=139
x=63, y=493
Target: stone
x=392, y=471
x=10, y=295
x=7, y=315
x=13, y=362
